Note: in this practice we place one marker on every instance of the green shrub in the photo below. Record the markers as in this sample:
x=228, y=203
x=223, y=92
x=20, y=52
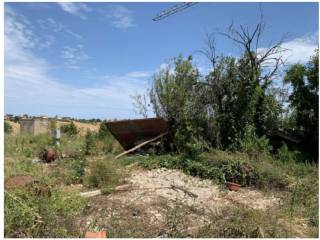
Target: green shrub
x=303, y=199
x=89, y=146
x=253, y=145
x=103, y=174
x=31, y=216
x=239, y=172
x=69, y=129
x=26, y=145
x=271, y=175
x=7, y=128
x=72, y=146
x=103, y=130
x=69, y=170
x=27, y=152
x=285, y=155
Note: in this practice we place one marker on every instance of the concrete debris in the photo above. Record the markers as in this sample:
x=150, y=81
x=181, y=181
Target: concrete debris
x=152, y=185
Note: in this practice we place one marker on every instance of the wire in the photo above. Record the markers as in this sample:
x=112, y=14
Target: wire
x=177, y=8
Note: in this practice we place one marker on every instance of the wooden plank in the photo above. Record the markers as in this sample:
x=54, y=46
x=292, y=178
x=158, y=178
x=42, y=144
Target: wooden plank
x=141, y=145
x=90, y=194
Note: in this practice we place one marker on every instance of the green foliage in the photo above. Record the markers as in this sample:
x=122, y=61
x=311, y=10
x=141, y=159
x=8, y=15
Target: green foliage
x=217, y=170
x=104, y=174
x=69, y=129
x=219, y=166
x=100, y=143
x=69, y=171
x=253, y=145
x=30, y=216
x=173, y=98
x=285, y=155
x=26, y=145
x=213, y=112
x=72, y=146
x=90, y=139
x=7, y=128
x=103, y=130
x=270, y=175
x=302, y=201
x=140, y=105
x=304, y=100
x=16, y=119
x=106, y=140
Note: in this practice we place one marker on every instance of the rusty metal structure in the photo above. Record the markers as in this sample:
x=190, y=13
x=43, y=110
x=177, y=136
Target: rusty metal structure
x=130, y=133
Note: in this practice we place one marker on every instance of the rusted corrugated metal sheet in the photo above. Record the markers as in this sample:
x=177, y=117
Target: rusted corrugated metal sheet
x=130, y=133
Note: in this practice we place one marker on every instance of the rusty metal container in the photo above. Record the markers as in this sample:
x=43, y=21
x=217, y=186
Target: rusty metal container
x=48, y=155
x=130, y=133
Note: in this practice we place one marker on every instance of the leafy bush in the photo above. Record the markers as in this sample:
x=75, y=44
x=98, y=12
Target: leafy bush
x=271, y=175
x=285, y=155
x=30, y=216
x=69, y=129
x=72, y=146
x=69, y=170
x=90, y=139
x=103, y=174
x=7, y=128
x=26, y=145
x=253, y=145
x=103, y=130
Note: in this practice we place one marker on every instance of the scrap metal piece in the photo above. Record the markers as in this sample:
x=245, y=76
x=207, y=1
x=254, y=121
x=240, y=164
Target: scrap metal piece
x=131, y=133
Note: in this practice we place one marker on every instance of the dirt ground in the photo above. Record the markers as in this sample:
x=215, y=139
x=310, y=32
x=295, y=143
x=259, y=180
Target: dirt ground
x=159, y=202
x=82, y=127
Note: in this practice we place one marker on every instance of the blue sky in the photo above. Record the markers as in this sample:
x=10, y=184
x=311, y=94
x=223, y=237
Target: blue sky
x=85, y=60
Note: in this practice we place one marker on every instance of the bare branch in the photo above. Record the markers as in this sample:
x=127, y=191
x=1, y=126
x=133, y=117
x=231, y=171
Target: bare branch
x=210, y=50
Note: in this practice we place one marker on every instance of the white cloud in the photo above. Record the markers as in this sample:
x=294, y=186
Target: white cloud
x=76, y=9
x=30, y=89
x=299, y=50
x=47, y=41
x=50, y=24
x=139, y=74
x=72, y=56
x=38, y=5
x=118, y=16
x=122, y=17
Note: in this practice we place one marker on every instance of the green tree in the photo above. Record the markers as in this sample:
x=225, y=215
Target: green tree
x=173, y=98
x=304, y=98
x=7, y=128
x=103, y=130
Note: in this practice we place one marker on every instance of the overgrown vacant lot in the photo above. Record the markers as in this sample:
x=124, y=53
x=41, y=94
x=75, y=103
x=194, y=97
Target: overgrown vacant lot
x=153, y=195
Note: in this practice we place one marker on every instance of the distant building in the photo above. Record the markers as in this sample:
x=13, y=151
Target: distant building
x=34, y=126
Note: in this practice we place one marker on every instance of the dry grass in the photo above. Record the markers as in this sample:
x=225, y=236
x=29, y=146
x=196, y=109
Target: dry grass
x=82, y=127
x=15, y=127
